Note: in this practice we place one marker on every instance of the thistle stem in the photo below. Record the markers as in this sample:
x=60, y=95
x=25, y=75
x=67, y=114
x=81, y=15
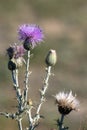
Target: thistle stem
x=27, y=77
x=13, y=77
x=20, y=124
x=16, y=78
x=16, y=86
x=36, y=118
x=61, y=127
x=44, y=88
x=8, y=115
x=30, y=119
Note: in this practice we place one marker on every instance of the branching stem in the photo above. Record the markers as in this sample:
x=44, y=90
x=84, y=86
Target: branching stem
x=17, y=88
x=34, y=123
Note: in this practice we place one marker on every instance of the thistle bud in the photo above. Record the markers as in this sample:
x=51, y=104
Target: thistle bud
x=51, y=58
x=27, y=45
x=10, y=52
x=11, y=65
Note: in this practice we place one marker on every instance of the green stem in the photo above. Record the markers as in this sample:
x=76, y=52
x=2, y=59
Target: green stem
x=61, y=127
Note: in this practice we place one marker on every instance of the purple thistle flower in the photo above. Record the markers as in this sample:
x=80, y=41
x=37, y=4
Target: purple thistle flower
x=31, y=34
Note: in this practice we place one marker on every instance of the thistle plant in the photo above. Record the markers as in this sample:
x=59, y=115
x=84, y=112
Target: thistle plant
x=29, y=36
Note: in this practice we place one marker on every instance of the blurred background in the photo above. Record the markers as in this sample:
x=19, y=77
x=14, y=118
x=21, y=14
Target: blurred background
x=64, y=23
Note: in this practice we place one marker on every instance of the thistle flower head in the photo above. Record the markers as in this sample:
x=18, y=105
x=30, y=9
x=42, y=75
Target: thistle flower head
x=66, y=102
x=15, y=51
x=15, y=54
x=31, y=34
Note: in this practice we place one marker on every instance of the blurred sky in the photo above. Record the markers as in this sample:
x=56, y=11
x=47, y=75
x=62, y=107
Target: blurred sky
x=64, y=23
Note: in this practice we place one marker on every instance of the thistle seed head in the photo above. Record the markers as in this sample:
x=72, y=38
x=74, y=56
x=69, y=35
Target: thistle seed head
x=66, y=102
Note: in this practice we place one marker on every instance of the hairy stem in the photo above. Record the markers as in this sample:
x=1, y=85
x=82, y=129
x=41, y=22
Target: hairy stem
x=27, y=77
x=16, y=85
x=8, y=115
x=44, y=88
x=20, y=124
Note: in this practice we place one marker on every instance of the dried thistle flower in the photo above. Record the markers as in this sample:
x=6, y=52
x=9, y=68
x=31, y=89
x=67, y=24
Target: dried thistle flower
x=31, y=35
x=15, y=53
x=66, y=102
